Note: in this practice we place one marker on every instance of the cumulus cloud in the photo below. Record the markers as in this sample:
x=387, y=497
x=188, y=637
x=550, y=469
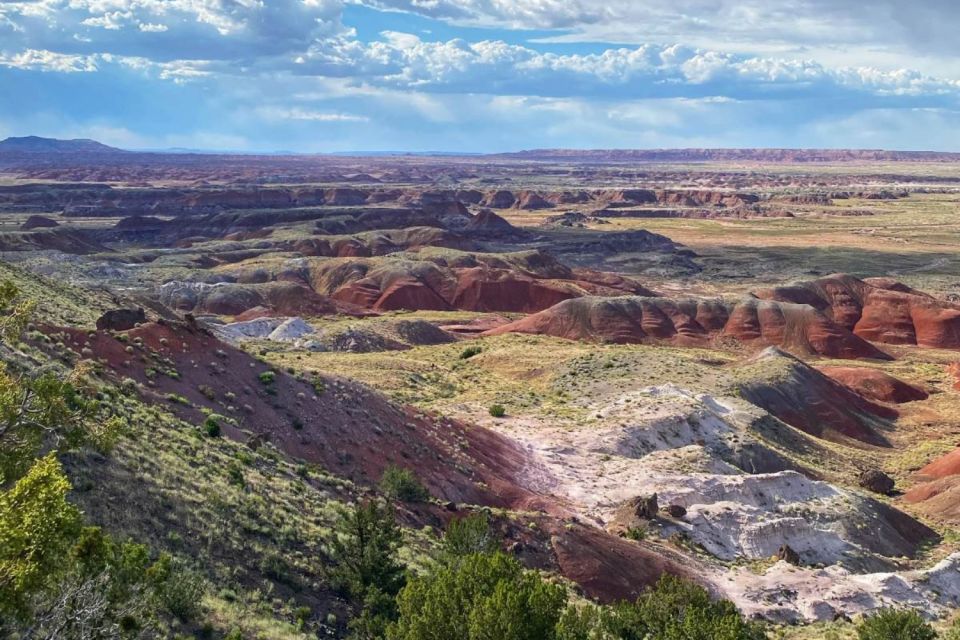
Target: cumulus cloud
x=647, y=71
x=921, y=24
x=164, y=29
x=43, y=60
x=594, y=70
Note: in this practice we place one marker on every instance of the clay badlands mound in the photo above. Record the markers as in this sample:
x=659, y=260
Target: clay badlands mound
x=837, y=317
x=692, y=322
x=425, y=280
x=878, y=309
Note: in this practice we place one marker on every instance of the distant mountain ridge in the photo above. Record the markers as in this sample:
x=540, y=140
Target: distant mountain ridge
x=16, y=146
x=715, y=155
x=36, y=144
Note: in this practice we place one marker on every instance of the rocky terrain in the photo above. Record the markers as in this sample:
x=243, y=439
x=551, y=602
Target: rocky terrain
x=745, y=377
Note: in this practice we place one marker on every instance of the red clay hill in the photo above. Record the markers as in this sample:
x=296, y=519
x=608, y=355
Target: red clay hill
x=523, y=282
x=938, y=494
x=878, y=309
x=805, y=398
x=696, y=322
x=875, y=385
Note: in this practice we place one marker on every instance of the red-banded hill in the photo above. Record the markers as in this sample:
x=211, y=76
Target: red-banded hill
x=696, y=322
x=878, y=309
x=441, y=280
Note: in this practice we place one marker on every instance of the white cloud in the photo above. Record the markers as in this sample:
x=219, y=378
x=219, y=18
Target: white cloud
x=296, y=113
x=495, y=67
x=43, y=60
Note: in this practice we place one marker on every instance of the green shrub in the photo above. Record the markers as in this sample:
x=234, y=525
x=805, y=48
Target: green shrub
x=636, y=533
x=497, y=410
x=895, y=624
x=267, y=378
x=681, y=610
x=366, y=566
x=468, y=536
x=484, y=597
x=587, y=622
x=470, y=351
x=177, y=588
x=672, y=610
x=211, y=427
x=398, y=483
x=37, y=525
x=302, y=614
x=235, y=475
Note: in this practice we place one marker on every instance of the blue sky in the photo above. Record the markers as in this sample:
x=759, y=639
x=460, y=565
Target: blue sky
x=482, y=75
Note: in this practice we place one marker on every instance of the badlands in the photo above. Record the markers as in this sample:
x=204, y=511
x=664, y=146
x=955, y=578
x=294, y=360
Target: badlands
x=742, y=368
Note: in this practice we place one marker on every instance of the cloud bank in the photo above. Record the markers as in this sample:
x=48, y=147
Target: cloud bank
x=468, y=74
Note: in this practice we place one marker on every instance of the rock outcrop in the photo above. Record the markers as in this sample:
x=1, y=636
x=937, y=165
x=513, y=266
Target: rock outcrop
x=38, y=222
x=876, y=481
x=121, y=319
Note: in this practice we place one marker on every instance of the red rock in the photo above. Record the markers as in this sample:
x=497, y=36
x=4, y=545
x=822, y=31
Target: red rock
x=523, y=282
x=880, y=310
x=484, y=289
x=694, y=322
x=804, y=398
x=532, y=200
x=875, y=385
x=345, y=196
x=938, y=499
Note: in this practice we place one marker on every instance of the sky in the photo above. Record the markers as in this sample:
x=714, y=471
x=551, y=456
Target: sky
x=482, y=75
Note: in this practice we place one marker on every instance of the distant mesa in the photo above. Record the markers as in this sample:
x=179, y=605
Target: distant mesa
x=36, y=144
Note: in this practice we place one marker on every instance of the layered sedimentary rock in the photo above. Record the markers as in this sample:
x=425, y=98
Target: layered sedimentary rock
x=807, y=399
x=878, y=309
x=696, y=322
